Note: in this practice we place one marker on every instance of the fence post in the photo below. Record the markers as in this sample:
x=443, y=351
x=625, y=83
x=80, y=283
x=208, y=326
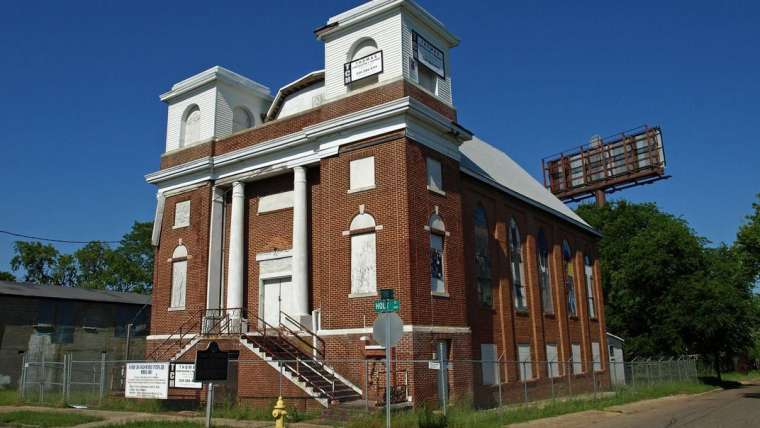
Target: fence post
x=65, y=376
x=569, y=377
x=22, y=380
x=498, y=380
x=42, y=379
x=551, y=376
x=366, y=385
x=102, y=377
x=524, y=381
x=593, y=379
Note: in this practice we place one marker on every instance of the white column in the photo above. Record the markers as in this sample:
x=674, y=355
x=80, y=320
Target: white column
x=236, y=262
x=300, y=247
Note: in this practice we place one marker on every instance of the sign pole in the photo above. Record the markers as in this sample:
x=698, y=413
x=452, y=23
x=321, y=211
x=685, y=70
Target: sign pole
x=388, y=375
x=209, y=403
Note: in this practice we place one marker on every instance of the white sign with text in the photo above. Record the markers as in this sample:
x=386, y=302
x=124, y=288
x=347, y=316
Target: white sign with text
x=363, y=67
x=183, y=376
x=147, y=380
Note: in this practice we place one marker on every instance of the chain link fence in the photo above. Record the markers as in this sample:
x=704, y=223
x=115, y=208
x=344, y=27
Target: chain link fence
x=361, y=384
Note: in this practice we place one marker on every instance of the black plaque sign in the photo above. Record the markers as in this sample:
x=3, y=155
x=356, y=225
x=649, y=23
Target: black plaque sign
x=211, y=364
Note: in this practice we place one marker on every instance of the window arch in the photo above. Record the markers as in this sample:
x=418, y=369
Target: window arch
x=241, y=119
x=362, y=48
x=363, y=255
x=567, y=257
x=482, y=258
x=437, y=261
x=179, y=277
x=516, y=262
x=544, y=277
x=191, y=126
x=588, y=265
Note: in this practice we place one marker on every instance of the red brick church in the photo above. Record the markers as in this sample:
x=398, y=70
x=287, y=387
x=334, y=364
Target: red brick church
x=279, y=218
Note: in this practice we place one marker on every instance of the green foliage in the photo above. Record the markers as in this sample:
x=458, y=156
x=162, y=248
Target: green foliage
x=45, y=419
x=665, y=292
x=428, y=419
x=7, y=276
x=748, y=244
x=128, y=267
x=36, y=259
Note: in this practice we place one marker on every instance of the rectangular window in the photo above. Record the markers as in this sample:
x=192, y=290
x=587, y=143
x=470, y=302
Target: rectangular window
x=489, y=365
x=576, y=354
x=362, y=174
x=526, y=362
x=596, y=356
x=179, y=284
x=552, y=361
x=363, y=266
x=437, y=281
x=182, y=214
x=434, y=179
x=590, y=290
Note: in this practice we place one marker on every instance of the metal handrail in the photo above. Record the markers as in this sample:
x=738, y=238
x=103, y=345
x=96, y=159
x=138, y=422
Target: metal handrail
x=178, y=332
x=301, y=327
x=296, y=358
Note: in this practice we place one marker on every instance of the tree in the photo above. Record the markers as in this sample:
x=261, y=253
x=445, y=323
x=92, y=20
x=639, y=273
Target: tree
x=748, y=244
x=646, y=255
x=128, y=267
x=36, y=259
x=7, y=276
x=132, y=264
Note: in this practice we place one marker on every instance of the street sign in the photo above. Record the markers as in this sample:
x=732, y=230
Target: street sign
x=211, y=364
x=387, y=329
x=384, y=305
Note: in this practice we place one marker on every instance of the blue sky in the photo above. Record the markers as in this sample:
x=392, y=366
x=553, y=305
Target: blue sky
x=82, y=123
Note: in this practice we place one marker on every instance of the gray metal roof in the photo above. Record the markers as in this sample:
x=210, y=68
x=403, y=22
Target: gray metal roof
x=71, y=293
x=487, y=163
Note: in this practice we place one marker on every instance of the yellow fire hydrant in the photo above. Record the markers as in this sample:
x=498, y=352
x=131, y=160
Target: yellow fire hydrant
x=279, y=413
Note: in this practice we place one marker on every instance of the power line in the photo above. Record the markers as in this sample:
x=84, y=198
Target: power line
x=59, y=241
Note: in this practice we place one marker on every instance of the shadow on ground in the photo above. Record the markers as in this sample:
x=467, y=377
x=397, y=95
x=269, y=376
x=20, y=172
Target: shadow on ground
x=725, y=384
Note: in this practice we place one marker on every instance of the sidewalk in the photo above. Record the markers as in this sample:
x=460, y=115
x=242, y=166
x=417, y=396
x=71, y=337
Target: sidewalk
x=116, y=417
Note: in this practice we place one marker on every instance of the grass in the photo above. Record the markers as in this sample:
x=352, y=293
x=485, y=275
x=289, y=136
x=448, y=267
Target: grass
x=159, y=424
x=461, y=416
x=8, y=397
x=738, y=376
x=45, y=419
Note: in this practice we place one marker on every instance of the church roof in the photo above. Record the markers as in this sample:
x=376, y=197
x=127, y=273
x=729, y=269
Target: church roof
x=487, y=163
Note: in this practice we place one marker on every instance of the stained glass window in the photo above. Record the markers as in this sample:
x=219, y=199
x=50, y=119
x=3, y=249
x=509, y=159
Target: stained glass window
x=567, y=255
x=518, y=274
x=544, y=279
x=482, y=258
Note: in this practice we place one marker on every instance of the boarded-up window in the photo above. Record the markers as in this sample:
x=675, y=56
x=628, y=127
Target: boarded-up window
x=489, y=365
x=363, y=255
x=552, y=361
x=589, y=274
x=182, y=214
x=241, y=119
x=191, y=126
x=362, y=173
x=596, y=356
x=577, y=364
x=179, y=278
x=526, y=362
x=437, y=261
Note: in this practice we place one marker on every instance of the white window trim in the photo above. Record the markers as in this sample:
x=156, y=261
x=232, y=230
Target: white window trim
x=361, y=295
x=189, y=213
x=437, y=191
x=361, y=189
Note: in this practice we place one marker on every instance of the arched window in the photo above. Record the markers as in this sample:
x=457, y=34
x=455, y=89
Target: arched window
x=544, y=278
x=437, y=261
x=588, y=265
x=191, y=126
x=567, y=256
x=241, y=119
x=363, y=255
x=516, y=261
x=179, y=277
x=482, y=258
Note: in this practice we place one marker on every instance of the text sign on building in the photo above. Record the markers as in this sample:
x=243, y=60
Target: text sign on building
x=363, y=67
x=211, y=364
x=426, y=53
x=147, y=380
x=182, y=376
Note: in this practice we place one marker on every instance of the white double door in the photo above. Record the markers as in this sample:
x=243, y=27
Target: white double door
x=278, y=296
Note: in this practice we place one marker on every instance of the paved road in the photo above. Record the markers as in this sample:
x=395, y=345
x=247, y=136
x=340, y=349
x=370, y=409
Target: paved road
x=730, y=408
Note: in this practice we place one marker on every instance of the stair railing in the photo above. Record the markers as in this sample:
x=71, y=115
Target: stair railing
x=188, y=327
x=318, y=350
x=262, y=327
